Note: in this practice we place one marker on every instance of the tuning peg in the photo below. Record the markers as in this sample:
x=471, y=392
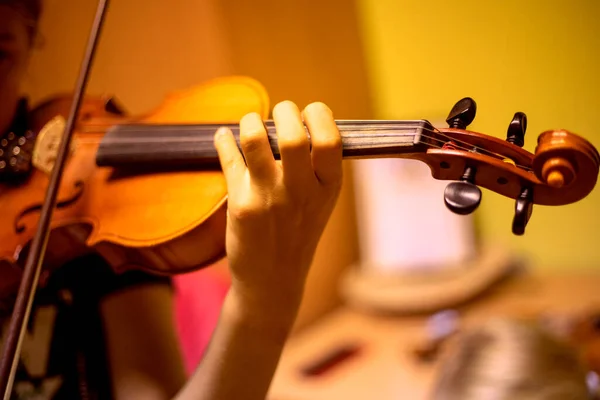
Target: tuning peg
x=462, y=114
x=523, y=210
x=113, y=106
x=463, y=197
x=516, y=129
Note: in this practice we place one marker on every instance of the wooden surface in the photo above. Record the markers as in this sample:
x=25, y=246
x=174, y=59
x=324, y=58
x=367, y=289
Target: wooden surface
x=385, y=368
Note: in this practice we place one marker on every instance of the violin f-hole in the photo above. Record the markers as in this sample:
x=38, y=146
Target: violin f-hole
x=20, y=227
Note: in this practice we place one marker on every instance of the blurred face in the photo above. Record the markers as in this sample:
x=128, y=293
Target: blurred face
x=14, y=54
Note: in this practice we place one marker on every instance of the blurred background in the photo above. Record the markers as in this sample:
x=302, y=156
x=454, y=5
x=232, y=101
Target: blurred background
x=371, y=59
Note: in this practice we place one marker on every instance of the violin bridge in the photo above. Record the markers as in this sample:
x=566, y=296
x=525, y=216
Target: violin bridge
x=47, y=143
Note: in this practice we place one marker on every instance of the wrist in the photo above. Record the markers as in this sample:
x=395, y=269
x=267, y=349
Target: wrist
x=274, y=317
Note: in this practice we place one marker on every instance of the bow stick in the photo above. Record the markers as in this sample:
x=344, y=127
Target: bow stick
x=33, y=266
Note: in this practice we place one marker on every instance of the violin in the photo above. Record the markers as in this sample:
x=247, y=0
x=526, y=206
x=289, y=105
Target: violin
x=148, y=191
x=149, y=188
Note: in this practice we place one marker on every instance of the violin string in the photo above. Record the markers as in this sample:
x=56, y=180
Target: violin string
x=358, y=128
x=393, y=134
x=199, y=139
x=120, y=140
x=435, y=130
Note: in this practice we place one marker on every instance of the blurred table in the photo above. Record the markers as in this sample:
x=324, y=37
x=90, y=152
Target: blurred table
x=385, y=368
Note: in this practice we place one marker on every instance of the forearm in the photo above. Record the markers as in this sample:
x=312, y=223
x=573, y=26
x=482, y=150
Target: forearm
x=244, y=352
x=276, y=213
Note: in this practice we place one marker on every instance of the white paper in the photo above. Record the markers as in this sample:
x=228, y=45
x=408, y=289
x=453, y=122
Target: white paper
x=403, y=221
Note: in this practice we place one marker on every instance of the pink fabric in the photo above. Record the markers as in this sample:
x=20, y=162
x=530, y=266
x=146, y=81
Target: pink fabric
x=198, y=303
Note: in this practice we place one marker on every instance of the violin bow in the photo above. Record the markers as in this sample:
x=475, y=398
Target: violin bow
x=9, y=360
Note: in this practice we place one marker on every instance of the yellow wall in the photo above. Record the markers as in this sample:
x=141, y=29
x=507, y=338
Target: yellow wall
x=539, y=56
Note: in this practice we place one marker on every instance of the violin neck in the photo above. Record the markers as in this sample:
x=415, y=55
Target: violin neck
x=193, y=146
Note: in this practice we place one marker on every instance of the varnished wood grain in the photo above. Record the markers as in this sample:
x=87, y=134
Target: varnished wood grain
x=168, y=223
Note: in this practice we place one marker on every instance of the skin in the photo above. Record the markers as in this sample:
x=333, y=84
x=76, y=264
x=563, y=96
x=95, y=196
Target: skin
x=277, y=211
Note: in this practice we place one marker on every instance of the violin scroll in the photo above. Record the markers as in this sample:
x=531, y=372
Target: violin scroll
x=561, y=157
x=563, y=169
x=566, y=164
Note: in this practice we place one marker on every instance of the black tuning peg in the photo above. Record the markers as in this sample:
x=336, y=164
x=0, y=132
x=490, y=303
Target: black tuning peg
x=463, y=197
x=113, y=106
x=523, y=210
x=516, y=129
x=462, y=114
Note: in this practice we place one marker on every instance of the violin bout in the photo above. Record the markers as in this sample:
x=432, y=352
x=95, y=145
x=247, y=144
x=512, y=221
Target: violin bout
x=166, y=221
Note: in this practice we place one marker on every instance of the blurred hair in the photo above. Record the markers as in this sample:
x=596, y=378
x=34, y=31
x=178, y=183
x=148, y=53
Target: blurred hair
x=31, y=10
x=508, y=359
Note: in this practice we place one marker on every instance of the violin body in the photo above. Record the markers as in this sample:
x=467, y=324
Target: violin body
x=164, y=222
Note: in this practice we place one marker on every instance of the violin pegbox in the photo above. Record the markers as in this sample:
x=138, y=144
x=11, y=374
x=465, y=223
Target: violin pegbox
x=563, y=170
x=463, y=197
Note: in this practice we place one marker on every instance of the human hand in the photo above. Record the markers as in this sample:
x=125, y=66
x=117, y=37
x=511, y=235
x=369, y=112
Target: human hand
x=277, y=210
